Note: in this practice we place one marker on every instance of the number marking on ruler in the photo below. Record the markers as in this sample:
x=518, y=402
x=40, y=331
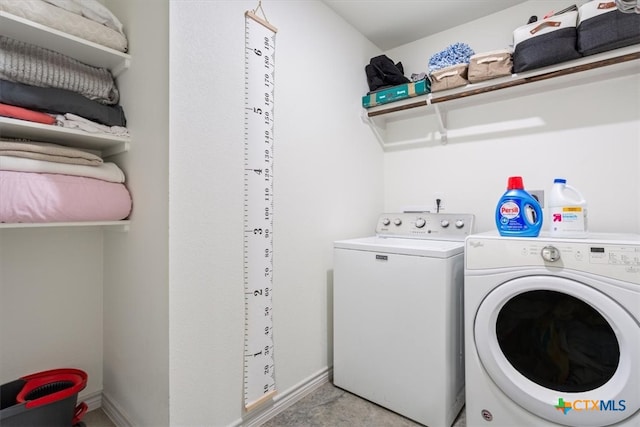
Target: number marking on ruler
x=259, y=375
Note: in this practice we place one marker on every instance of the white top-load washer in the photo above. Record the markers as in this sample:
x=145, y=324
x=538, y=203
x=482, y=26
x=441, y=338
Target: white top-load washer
x=397, y=315
x=552, y=331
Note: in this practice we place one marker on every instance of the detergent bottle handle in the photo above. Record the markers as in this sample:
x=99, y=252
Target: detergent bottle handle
x=579, y=197
x=538, y=212
x=538, y=209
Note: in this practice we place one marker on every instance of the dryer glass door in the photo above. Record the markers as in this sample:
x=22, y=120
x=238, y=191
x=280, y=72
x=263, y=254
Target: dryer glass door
x=557, y=341
x=561, y=349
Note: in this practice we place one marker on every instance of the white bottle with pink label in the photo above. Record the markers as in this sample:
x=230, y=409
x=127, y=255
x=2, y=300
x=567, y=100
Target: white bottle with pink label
x=567, y=211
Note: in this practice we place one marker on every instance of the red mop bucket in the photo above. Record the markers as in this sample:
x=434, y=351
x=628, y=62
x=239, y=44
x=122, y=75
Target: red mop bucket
x=43, y=399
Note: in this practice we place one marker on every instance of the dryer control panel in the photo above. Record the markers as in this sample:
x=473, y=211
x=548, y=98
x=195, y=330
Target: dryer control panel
x=604, y=255
x=426, y=225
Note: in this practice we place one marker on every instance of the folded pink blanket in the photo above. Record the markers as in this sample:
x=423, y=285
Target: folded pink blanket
x=40, y=197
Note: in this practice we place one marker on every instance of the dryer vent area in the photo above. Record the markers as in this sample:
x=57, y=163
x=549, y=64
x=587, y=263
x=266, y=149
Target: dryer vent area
x=558, y=341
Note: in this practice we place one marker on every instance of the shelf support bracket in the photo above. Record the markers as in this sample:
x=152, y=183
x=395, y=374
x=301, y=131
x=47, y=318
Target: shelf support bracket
x=120, y=148
x=441, y=117
x=121, y=67
x=374, y=128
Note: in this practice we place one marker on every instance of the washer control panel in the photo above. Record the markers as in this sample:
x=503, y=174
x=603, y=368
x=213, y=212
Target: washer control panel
x=426, y=225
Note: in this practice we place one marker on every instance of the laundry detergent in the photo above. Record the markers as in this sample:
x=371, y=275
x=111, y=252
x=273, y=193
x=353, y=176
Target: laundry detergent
x=518, y=213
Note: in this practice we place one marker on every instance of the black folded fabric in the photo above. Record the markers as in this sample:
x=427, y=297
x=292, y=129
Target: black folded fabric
x=60, y=101
x=382, y=72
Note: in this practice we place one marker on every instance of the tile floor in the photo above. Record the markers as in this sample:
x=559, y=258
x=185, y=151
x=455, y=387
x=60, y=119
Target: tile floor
x=328, y=406
x=97, y=418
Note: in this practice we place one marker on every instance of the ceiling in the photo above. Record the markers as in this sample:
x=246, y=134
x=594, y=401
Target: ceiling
x=392, y=23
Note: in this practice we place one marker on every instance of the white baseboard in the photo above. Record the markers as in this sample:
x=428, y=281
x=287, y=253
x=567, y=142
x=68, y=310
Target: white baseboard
x=93, y=400
x=284, y=400
x=98, y=400
x=114, y=412
x=260, y=415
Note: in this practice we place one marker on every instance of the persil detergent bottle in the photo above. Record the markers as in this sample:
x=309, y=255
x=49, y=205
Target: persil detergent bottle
x=567, y=211
x=518, y=214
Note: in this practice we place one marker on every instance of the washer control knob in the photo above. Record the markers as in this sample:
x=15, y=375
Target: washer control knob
x=459, y=223
x=397, y=221
x=444, y=223
x=386, y=221
x=420, y=222
x=550, y=253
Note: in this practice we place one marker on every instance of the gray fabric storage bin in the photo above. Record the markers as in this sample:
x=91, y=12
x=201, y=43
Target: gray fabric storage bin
x=547, y=42
x=602, y=27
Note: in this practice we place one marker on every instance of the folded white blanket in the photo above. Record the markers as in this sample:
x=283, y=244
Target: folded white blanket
x=90, y=9
x=72, y=121
x=49, y=152
x=107, y=171
x=56, y=17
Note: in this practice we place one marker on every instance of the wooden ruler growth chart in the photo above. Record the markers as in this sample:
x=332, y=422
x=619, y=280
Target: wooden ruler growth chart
x=259, y=53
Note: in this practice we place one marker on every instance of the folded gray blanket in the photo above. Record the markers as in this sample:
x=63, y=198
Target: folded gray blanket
x=22, y=62
x=60, y=101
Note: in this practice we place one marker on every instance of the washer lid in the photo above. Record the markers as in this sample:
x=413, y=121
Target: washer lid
x=417, y=247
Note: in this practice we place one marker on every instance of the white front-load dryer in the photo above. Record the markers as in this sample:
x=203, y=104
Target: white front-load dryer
x=552, y=331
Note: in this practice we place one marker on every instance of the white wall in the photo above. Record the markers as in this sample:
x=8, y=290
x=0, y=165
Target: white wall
x=589, y=135
x=136, y=276
x=51, y=302
x=328, y=185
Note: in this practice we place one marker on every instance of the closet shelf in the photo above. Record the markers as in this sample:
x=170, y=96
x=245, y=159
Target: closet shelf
x=104, y=144
x=590, y=69
x=110, y=225
x=83, y=50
